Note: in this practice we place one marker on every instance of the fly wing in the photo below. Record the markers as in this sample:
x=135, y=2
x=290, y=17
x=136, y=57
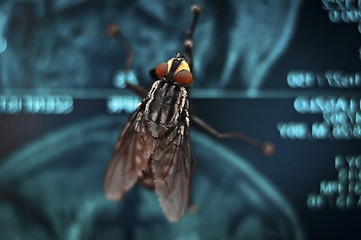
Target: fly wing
x=130, y=156
x=172, y=162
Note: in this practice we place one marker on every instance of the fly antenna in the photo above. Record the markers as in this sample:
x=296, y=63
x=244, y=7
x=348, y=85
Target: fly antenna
x=113, y=31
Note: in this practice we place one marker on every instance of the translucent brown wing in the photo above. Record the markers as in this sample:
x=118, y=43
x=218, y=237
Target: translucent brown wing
x=172, y=164
x=130, y=156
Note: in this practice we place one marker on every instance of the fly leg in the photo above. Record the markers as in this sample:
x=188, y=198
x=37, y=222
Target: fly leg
x=192, y=208
x=140, y=90
x=113, y=30
x=188, y=42
x=137, y=89
x=266, y=148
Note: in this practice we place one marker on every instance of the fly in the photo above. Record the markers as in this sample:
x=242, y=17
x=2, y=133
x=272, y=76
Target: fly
x=154, y=147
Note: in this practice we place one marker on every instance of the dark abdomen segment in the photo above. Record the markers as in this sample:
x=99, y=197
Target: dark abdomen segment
x=146, y=179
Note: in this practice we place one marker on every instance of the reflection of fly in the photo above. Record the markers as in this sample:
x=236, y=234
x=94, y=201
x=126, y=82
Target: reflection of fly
x=154, y=146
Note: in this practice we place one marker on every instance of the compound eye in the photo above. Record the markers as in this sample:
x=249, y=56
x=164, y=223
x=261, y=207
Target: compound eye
x=162, y=69
x=183, y=76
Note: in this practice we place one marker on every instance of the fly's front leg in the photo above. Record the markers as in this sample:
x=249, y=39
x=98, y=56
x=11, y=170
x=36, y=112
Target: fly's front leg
x=188, y=42
x=140, y=90
x=137, y=89
x=266, y=148
x=113, y=31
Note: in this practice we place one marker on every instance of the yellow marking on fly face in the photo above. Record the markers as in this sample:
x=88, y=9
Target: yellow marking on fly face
x=183, y=66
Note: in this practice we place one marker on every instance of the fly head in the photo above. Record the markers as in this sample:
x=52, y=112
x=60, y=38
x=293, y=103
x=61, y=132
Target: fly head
x=176, y=71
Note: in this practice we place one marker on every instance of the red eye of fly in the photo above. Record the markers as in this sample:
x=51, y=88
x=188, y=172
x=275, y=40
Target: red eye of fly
x=162, y=69
x=183, y=76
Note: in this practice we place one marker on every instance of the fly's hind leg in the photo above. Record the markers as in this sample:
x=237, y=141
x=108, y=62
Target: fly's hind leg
x=192, y=208
x=266, y=148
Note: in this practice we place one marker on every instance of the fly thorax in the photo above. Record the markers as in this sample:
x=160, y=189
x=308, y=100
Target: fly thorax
x=166, y=102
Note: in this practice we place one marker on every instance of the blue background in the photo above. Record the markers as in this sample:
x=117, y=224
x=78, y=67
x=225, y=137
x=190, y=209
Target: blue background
x=52, y=165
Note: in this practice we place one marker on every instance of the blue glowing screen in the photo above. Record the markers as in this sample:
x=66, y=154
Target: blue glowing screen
x=281, y=71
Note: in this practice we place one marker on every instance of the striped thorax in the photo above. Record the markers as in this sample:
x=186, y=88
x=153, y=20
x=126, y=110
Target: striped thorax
x=166, y=103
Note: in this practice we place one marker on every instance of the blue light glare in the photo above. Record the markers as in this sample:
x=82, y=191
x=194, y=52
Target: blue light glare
x=123, y=76
x=340, y=79
x=332, y=188
x=347, y=16
x=346, y=131
x=36, y=104
x=343, y=193
x=301, y=79
x=3, y=44
x=118, y=104
x=320, y=130
x=331, y=78
x=293, y=130
x=326, y=104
